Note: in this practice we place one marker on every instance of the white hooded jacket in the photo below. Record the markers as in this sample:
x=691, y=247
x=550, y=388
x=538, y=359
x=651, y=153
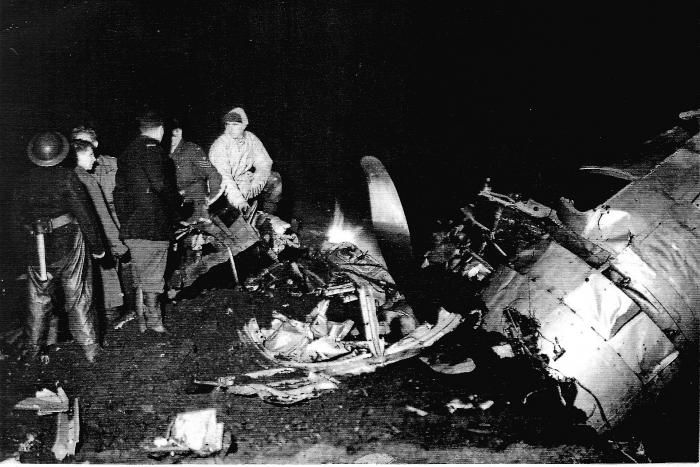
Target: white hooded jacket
x=235, y=157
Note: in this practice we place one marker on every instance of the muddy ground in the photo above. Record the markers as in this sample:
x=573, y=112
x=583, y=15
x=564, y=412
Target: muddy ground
x=141, y=381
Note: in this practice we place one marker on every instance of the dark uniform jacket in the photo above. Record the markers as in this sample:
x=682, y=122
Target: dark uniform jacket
x=193, y=170
x=145, y=196
x=50, y=192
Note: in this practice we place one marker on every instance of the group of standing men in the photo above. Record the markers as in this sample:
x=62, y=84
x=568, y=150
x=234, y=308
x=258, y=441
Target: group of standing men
x=120, y=215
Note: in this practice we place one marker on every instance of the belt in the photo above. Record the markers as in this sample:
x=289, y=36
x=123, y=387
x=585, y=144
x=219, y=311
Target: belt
x=49, y=224
x=60, y=221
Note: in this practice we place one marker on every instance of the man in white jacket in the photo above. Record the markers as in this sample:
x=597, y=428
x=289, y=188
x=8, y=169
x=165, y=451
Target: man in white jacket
x=244, y=165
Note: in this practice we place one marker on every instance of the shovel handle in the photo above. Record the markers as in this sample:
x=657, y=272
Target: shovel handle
x=41, y=252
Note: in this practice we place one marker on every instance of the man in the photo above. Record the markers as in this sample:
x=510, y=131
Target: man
x=105, y=170
x=51, y=205
x=146, y=200
x=111, y=288
x=196, y=180
x=244, y=165
x=196, y=176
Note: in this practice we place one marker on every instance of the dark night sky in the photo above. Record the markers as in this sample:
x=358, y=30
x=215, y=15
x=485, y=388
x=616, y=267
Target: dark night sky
x=444, y=93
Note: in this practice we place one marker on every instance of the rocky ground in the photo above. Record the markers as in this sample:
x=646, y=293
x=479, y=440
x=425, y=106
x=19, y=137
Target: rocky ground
x=141, y=381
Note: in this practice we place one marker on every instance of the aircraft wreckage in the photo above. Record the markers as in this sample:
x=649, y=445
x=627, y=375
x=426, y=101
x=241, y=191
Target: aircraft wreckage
x=612, y=290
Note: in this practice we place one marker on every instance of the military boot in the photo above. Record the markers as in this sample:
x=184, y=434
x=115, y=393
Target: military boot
x=154, y=320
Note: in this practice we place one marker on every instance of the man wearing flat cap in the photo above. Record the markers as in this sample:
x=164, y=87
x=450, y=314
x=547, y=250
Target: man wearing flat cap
x=146, y=200
x=244, y=165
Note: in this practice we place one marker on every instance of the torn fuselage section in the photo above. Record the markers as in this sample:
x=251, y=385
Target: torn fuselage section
x=613, y=288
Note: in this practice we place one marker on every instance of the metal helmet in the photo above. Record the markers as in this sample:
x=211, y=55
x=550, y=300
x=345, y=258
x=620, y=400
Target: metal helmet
x=47, y=149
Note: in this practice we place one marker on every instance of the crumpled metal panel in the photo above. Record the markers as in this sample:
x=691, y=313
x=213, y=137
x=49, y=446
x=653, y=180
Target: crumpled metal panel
x=601, y=304
x=649, y=292
x=671, y=286
x=610, y=383
x=544, y=263
x=661, y=226
x=653, y=152
x=678, y=176
x=643, y=346
x=508, y=288
x=618, y=346
x=606, y=384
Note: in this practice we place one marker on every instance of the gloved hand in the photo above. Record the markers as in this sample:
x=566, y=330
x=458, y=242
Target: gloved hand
x=240, y=204
x=234, y=196
x=257, y=185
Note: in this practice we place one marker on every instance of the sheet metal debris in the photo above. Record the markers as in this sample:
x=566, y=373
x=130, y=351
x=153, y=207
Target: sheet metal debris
x=266, y=385
x=67, y=433
x=45, y=402
x=472, y=403
x=610, y=290
x=358, y=358
x=466, y=366
x=417, y=411
x=196, y=431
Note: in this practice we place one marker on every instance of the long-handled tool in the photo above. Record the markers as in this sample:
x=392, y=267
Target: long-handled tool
x=39, y=231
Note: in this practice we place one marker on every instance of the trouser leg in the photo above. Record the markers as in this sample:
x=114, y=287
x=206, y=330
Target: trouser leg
x=40, y=309
x=148, y=258
x=111, y=292
x=128, y=283
x=154, y=319
x=76, y=281
x=271, y=194
x=52, y=333
x=139, y=309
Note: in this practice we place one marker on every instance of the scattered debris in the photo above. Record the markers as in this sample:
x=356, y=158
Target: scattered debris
x=503, y=350
x=30, y=444
x=486, y=405
x=466, y=366
x=416, y=411
x=357, y=359
x=197, y=432
x=472, y=403
x=45, y=402
x=67, y=433
x=306, y=385
x=376, y=458
x=456, y=404
x=363, y=270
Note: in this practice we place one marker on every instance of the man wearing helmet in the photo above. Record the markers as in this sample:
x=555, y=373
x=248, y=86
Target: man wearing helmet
x=60, y=228
x=244, y=165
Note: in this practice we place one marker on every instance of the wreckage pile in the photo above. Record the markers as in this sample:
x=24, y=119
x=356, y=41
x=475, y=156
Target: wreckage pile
x=361, y=321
